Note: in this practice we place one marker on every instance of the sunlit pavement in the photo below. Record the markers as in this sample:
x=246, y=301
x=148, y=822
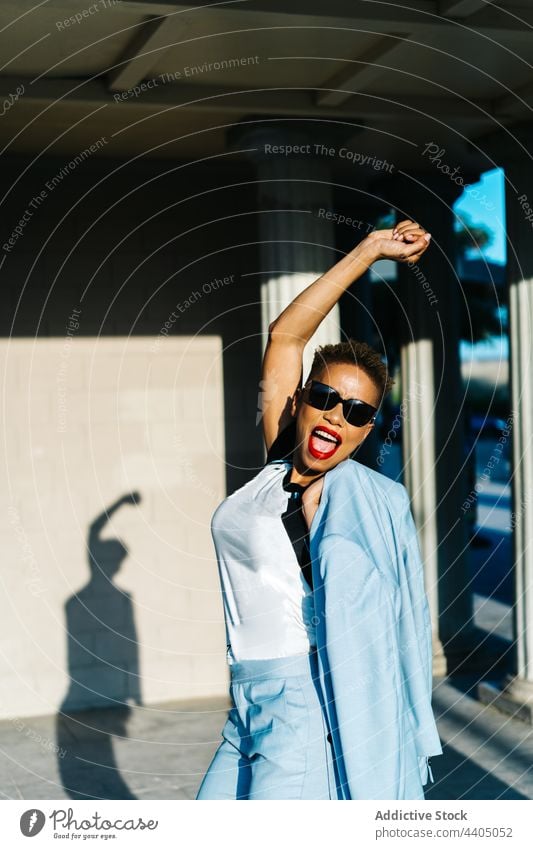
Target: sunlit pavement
x=164, y=755
x=168, y=748
x=486, y=754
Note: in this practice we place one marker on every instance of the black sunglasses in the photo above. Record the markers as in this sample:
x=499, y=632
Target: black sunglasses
x=324, y=397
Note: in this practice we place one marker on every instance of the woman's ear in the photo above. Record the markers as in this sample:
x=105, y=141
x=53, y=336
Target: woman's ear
x=295, y=402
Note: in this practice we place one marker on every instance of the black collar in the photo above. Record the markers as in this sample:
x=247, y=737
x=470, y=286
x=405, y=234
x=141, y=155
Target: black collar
x=291, y=486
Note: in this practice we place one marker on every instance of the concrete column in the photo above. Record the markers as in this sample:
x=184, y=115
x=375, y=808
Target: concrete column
x=296, y=242
x=515, y=695
x=432, y=425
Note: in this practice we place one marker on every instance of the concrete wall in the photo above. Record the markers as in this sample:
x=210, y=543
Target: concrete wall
x=106, y=394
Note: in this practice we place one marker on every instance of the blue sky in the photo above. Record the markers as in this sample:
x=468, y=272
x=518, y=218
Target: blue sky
x=484, y=203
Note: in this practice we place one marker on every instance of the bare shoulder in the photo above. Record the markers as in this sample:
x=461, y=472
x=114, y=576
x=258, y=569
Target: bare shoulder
x=311, y=500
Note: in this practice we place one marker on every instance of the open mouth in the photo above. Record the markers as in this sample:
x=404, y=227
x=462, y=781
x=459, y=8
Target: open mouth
x=323, y=442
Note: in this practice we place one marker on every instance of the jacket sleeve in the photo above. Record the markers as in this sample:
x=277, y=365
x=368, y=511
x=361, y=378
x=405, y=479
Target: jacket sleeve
x=357, y=629
x=416, y=648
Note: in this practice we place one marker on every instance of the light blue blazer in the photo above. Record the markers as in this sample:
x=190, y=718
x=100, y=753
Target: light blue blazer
x=373, y=634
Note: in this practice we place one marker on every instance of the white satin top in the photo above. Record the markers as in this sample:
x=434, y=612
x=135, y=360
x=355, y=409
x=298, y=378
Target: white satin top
x=268, y=604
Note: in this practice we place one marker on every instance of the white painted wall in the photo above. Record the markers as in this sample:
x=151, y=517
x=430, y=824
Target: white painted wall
x=88, y=421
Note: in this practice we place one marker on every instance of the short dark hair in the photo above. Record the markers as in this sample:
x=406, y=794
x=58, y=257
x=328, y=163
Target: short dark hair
x=355, y=353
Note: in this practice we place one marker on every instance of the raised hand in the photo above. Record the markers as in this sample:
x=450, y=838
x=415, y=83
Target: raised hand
x=406, y=242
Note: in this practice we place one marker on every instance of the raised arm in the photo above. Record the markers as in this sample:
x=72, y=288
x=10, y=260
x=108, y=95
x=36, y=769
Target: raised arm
x=281, y=373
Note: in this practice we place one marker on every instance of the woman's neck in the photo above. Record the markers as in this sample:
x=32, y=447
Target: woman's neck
x=302, y=476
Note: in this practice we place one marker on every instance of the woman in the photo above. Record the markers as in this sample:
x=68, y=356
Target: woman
x=277, y=740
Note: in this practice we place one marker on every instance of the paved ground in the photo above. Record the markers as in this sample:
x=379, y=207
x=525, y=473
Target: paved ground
x=486, y=754
x=168, y=747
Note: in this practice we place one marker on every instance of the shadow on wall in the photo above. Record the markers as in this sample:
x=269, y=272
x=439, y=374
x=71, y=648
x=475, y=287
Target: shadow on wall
x=103, y=665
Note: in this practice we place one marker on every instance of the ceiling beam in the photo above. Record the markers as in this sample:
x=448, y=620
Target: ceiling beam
x=516, y=104
x=367, y=15
x=359, y=72
x=512, y=23
x=142, y=53
x=460, y=8
x=311, y=8
x=198, y=98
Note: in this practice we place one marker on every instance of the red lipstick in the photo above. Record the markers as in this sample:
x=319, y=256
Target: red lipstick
x=323, y=442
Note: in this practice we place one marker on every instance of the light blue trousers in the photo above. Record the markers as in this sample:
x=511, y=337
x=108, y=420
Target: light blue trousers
x=275, y=741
